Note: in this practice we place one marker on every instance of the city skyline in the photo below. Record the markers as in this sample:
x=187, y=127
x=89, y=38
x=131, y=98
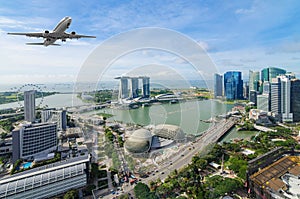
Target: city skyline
x=257, y=38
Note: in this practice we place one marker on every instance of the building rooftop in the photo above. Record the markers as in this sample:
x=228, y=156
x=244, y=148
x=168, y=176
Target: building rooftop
x=141, y=134
x=139, y=141
x=169, y=131
x=272, y=176
x=28, y=125
x=46, y=168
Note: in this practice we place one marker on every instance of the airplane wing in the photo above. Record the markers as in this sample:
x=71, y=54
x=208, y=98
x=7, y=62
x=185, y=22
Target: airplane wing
x=73, y=35
x=33, y=34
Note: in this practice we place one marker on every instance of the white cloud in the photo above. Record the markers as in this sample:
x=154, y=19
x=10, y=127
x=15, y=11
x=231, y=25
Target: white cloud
x=244, y=11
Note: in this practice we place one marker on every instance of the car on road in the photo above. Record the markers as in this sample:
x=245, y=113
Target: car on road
x=145, y=176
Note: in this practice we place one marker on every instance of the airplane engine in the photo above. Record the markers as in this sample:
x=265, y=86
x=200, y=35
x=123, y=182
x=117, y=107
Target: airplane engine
x=46, y=33
x=72, y=34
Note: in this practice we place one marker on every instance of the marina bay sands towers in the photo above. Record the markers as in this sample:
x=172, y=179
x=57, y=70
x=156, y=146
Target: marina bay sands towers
x=129, y=87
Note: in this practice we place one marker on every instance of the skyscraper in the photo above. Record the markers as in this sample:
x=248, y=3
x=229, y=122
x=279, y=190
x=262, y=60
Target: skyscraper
x=281, y=98
x=287, y=115
x=267, y=74
x=276, y=96
x=134, y=87
x=123, y=89
x=246, y=90
x=295, y=99
x=253, y=81
x=233, y=85
x=218, y=85
x=29, y=105
x=133, y=91
x=146, y=86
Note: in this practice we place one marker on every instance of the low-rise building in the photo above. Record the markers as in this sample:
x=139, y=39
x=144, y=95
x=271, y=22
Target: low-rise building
x=46, y=181
x=280, y=179
x=141, y=141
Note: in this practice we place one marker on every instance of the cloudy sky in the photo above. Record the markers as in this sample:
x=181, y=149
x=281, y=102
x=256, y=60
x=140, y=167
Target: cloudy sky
x=236, y=35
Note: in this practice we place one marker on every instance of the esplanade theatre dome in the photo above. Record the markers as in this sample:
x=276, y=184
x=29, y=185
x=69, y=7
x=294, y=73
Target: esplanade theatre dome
x=169, y=131
x=139, y=141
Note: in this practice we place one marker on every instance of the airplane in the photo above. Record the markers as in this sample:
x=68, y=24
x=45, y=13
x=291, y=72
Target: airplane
x=57, y=34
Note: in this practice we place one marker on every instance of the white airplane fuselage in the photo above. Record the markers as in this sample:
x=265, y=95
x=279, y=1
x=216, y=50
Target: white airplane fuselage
x=59, y=30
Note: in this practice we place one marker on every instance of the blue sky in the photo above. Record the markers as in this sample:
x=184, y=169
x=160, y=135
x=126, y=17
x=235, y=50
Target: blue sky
x=237, y=35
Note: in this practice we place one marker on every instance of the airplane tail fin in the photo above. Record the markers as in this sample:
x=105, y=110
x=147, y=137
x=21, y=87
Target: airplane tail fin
x=41, y=44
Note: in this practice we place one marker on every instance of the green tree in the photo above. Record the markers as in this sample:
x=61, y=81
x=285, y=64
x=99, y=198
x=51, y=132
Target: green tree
x=72, y=194
x=142, y=191
x=141, y=188
x=3, y=135
x=236, y=163
x=219, y=186
x=243, y=172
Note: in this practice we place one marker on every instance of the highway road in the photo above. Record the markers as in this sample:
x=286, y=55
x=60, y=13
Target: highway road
x=184, y=157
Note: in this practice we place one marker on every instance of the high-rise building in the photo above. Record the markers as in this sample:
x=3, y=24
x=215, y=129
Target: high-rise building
x=146, y=86
x=267, y=74
x=58, y=116
x=134, y=87
x=266, y=87
x=295, y=99
x=233, y=85
x=253, y=97
x=218, y=85
x=33, y=139
x=29, y=105
x=46, y=115
x=253, y=81
x=276, y=96
x=287, y=115
x=281, y=98
x=263, y=102
x=62, y=120
x=246, y=90
x=123, y=89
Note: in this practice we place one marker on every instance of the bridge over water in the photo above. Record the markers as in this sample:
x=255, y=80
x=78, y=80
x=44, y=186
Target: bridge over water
x=219, y=130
